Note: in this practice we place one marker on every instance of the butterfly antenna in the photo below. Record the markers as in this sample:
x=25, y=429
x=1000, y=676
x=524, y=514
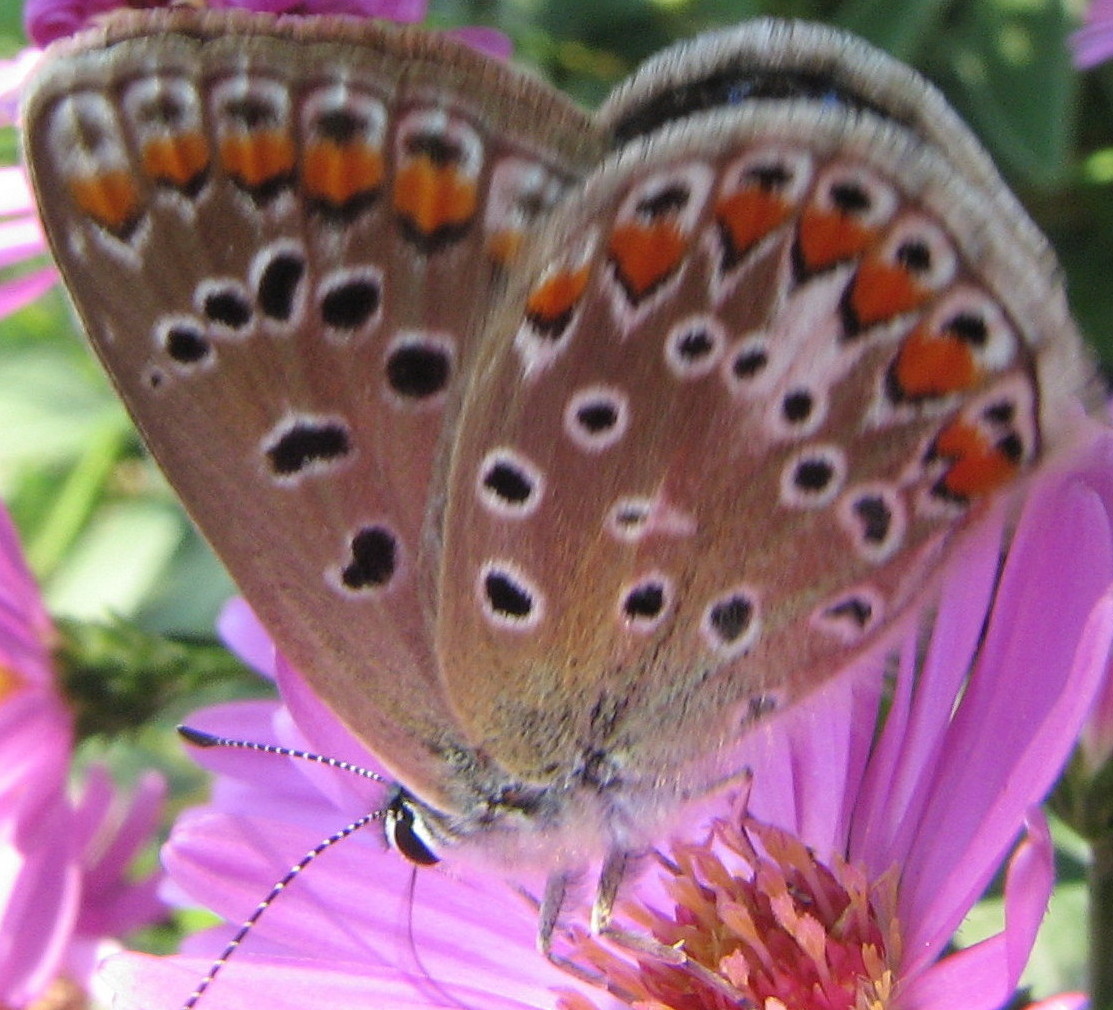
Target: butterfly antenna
x=199, y=738
x=202, y=739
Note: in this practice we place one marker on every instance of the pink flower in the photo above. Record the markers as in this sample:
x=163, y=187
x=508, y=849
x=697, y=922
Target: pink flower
x=47, y=20
x=21, y=237
x=905, y=831
x=63, y=887
x=1093, y=43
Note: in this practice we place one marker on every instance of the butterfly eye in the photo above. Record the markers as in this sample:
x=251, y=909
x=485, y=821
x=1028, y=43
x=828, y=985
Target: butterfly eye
x=89, y=147
x=435, y=191
x=165, y=113
x=855, y=192
x=964, y=338
x=745, y=364
x=914, y=261
x=225, y=304
x=406, y=831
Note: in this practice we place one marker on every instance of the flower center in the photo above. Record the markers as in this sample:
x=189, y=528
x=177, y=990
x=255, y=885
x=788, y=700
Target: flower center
x=763, y=923
x=10, y=682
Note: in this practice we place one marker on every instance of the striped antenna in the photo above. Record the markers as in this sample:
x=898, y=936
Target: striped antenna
x=202, y=739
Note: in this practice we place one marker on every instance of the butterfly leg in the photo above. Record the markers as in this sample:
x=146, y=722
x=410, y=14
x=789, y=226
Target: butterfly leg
x=615, y=870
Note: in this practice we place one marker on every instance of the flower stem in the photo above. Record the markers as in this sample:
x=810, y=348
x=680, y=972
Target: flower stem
x=1101, y=924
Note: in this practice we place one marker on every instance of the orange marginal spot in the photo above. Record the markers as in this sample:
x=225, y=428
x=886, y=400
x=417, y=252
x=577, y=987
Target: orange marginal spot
x=882, y=291
x=929, y=365
x=433, y=197
x=111, y=199
x=335, y=173
x=259, y=157
x=554, y=298
x=646, y=255
x=978, y=467
x=179, y=161
x=747, y=216
x=825, y=238
x=503, y=245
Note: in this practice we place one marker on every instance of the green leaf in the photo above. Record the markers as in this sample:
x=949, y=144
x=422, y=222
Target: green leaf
x=898, y=28
x=1007, y=67
x=116, y=561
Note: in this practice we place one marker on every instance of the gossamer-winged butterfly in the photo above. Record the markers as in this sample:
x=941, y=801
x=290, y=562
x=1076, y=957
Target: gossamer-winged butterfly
x=552, y=448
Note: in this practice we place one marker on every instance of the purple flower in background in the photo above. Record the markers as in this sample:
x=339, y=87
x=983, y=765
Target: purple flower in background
x=21, y=237
x=1093, y=42
x=64, y=893
x=49, y=20
x=855, y=858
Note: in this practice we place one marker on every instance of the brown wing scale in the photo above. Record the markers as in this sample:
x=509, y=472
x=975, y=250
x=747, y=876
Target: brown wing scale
x=281, y=238
x=795, y=354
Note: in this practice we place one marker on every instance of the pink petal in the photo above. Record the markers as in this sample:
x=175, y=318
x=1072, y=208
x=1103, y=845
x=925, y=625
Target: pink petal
x=984, y=976
x=904, y=763
x=15, y=294
x=489, y=41
x=141, y=982
x=245, y=635
x=1023, y=708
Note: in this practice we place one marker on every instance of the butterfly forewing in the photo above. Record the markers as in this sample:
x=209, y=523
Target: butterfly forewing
x=752, y=381
x=281, y=238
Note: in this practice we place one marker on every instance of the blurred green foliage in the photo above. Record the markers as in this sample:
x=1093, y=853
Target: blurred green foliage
x=106, y=536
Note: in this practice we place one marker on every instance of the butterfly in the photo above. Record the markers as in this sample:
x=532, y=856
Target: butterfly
x=554, y=448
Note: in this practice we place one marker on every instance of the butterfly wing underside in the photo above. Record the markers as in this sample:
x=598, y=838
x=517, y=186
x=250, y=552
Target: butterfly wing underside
x=752, y=382
x=280, y=239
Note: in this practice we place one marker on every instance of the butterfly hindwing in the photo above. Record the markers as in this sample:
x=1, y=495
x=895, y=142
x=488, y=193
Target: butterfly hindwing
x=752, y=381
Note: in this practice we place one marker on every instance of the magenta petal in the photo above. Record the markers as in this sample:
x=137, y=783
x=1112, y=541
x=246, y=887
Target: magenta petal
x=137, y=826
x=245, y=635
x=354, y=902
x=1028, y=885
x=904, y=763
x=984, y=976
x=142, y=982
x=39, y=898
x=323, y=731
x=1023, y=708
x=968, y=978
x=489, y=41
x=15, y=294
x=832, y=730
